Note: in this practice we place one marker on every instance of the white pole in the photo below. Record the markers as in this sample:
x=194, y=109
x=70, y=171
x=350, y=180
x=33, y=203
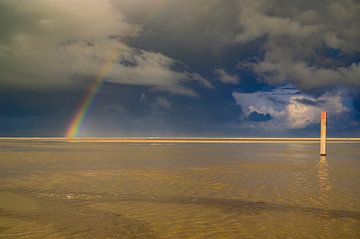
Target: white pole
x=323, y=134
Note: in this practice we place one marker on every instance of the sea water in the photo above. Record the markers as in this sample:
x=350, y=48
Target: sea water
x=59, y=189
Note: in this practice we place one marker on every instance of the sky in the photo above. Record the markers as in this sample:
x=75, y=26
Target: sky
x=183, y=68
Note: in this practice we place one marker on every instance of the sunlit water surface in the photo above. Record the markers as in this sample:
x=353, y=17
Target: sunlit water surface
x=119, y=190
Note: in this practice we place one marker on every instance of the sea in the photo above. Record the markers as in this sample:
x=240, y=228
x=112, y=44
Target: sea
x=107, y=189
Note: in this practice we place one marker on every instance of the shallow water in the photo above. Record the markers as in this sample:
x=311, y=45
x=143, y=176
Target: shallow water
x=119, y=190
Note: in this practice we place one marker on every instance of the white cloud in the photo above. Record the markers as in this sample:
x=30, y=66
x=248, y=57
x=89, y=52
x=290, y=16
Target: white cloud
x=290, y=109
x=163, y=102
x=301, y=114
x=226, y=77
x=153, y=69
x=257, y=23
x=305, y=76
x=294, y=35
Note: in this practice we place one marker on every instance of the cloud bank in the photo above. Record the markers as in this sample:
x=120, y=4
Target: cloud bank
x=310, y=44
x=55, y=43
x=46, y=43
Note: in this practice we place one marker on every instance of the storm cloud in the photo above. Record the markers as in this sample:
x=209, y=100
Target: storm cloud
x=49, y=42
x=296, y=37
x=54, y=43
x=236, y=64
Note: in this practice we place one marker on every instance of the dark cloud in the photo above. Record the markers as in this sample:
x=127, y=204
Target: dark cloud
x=306, y=101
x=311, y=45
x=54, y=44
x=308, y=44
x=259, y=117
x=179, y=67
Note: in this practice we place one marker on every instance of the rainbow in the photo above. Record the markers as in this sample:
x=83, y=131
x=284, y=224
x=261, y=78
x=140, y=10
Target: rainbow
x=90, y=95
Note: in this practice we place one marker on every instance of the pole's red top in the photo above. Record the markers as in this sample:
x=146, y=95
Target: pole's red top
x=323, y=115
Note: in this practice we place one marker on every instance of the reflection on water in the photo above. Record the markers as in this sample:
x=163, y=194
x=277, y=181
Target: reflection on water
x=324, y=175
x=114, y=190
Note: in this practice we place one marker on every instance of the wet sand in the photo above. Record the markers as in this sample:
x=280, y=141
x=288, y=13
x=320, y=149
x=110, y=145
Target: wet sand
x=173, y=189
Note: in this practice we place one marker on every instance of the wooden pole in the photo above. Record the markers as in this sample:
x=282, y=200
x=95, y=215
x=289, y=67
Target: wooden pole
x=323, y=134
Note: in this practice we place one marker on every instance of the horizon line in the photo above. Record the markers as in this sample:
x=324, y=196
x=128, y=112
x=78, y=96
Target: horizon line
x=178, y=139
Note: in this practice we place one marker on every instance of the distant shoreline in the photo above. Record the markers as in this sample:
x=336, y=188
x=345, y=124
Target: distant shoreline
x=172, y=140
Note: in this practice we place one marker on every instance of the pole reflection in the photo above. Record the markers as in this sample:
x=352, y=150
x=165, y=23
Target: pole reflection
x=323, y=175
